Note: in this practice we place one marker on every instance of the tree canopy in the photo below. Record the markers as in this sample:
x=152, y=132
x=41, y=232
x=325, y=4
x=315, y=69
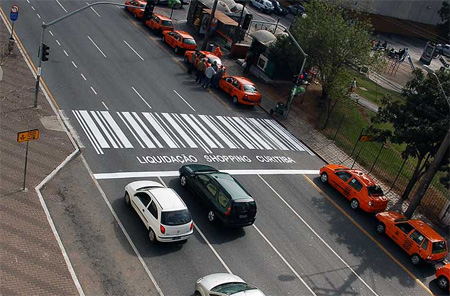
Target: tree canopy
x=421, y=122
x=332, y=36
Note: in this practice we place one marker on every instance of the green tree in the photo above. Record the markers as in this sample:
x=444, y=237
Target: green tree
x=333, y=37
x=444, y=27
x=421, y=122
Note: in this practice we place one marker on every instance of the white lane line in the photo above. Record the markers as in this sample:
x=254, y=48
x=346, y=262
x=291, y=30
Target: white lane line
x=133, y=50
x=183, y=100
x=51, y=33
x=205, y=239
x=61, y=6
x=65, y=52
x=83, y=77
x=93, y=90
x=38, y=15
x=58, y=42
x=73, y=63
x=284, y=260
x=96, y=46
x=141, y=260
x=32, y=7
x=106, y=107
x=318, y=236
x=124, y=175
x=141, y=97
x=29, y=2
x=93, y=10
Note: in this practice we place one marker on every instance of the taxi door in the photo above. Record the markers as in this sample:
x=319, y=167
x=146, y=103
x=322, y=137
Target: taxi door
x=340, y=182
x=235, y=89
x=227, y=87
x=400, y=234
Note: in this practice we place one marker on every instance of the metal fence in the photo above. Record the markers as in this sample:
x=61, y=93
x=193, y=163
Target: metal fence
x=386, y=164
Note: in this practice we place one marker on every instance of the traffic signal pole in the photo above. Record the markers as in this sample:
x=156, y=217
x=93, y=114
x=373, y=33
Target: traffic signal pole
x=46, y=25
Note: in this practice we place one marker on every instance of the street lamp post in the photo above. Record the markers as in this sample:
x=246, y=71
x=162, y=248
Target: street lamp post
x=434, y=166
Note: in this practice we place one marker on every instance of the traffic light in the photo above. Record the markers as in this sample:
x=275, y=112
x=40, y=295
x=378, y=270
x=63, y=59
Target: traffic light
x=45, y=52
x=246, y=22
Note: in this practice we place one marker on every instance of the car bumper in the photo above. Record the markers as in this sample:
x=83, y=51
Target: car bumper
x=250, y=102
x=234, y=223
x=174, y=238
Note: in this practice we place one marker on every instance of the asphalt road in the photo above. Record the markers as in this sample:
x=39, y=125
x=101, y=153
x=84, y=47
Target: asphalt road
x=139, y=115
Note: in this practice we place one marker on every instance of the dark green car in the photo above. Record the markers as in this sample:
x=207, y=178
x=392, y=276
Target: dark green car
x=226, y=199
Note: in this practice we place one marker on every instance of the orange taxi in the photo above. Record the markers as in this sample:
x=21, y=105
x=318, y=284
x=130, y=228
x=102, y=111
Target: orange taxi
x=179, y=40
x=241, y=89
x=159, y=23
x=356, y=186
x=415, y=237
x=443, y=277
x=138, y=13
x=211, y=58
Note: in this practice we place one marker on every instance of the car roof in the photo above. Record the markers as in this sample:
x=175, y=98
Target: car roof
x=230, y=185
x=242, y=80
x=184, y=34
x=426, y=230
x=168, y=199
x=364, y=178
x=162, y=17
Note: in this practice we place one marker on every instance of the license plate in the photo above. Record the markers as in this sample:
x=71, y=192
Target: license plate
x=242, y=216
x=176, y=238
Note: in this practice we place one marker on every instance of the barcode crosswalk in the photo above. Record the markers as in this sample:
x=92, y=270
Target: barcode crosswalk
x=150, y=130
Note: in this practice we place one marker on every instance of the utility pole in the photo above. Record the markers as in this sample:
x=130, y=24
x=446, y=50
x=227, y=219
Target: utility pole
x=208, y=29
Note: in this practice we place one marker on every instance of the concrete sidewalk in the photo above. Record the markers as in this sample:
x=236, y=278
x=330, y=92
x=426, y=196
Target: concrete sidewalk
x=31, y=262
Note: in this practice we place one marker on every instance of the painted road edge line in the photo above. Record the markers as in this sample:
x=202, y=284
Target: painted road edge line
x=125, y=175
x=369, y=236
x=127, y=236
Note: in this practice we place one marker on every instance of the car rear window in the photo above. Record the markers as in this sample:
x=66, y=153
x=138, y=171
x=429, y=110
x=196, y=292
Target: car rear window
x=439, y=247
x=375, y=190
x=232, y=288
x=244, y=206
x=250, y=88
x=231, y=186
x=175, y=217
x=167, y=23
x=189, y=41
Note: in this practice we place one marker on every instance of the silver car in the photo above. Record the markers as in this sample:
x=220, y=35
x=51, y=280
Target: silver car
x=224, y=284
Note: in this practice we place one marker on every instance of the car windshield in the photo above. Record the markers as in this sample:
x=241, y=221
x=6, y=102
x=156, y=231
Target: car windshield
x=142, y=5
x=167, y=23
x=439, y=247
x=231, y=288
x=176, y=217
x=189, y=41
x=250, y=88
x=375, y=190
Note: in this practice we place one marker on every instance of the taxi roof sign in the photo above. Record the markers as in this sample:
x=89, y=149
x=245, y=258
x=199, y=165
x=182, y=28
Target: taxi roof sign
x=28, y=135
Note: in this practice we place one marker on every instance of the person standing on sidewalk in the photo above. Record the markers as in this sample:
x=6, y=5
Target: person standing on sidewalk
x=248, y=62
x=209, y=73
x=352, y=87
x=217, y=77
x=201, y=66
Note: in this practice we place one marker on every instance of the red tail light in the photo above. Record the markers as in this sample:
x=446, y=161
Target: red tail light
x=192, y=225
x=162, y=229
x=227, y=213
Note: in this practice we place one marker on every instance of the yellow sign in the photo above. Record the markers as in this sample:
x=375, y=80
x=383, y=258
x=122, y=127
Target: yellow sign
x=28, y=135
x=365, y=138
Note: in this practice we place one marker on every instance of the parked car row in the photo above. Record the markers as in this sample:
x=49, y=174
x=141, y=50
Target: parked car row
x=418, y=239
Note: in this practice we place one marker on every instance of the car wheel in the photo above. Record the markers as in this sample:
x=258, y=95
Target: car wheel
x=443, y=282
x=151, y=236
x=354, y=204
x=211, y=216
x=186, y=60
x=183, y=180
x=235, y=100
x=197, y=293
x=415, y=259
x=127, y=198
x=324, y=178
x=176, y=49
x=135, y=16
x=381, y=228
x=163, y=39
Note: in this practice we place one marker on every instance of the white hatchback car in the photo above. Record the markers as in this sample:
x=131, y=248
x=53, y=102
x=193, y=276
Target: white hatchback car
x=224, y=284
x=161, y=209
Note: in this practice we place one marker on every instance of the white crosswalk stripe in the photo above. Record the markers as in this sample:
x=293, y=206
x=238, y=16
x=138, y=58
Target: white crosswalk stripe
x=150, y=130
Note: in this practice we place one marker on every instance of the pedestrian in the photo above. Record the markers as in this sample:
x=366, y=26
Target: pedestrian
x=215, y=67
x=217, y=77
x=209, y=73
x=218, y=52
x=248, y=62
x=192, y=61
x=201, y=66
x=352, y=86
